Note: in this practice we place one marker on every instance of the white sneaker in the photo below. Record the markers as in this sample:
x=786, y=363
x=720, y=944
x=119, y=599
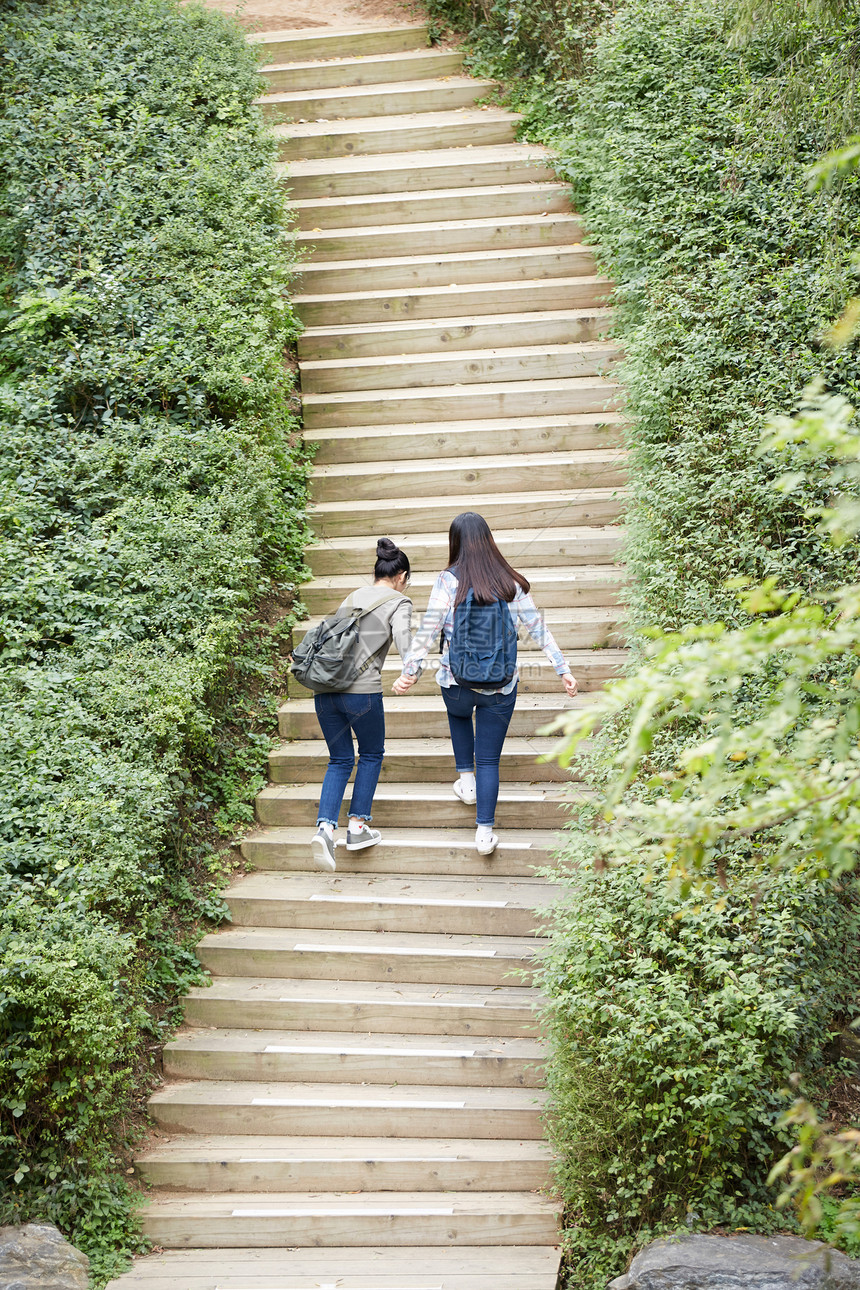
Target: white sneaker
x=365, y=837
x=467, y=795
x=322, y=850
x=488, y=846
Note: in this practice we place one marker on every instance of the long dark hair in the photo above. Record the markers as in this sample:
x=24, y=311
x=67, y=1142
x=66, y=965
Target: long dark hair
x=390, y=560
x=478, y=563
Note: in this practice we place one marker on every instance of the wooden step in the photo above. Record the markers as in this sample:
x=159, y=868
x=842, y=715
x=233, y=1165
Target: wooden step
x=521, y=805
x=380, y=1007
x=237, y=1163
x=444, y=335
x=349, y=1110
x=512, y=163
x=328, y=1057
x=593, y=394
x=423, y=759
x=372, y=1218
x=463, y=476
x=491, y=1267
x=589, y=628
x=325, y=955
x=312, y=75
x=544, y=229
x=551, y=508
x=352, y=101
x=591, y=667
x=414, y=131
x=389, y=208
x=468, y=367
x=575, y=432
x=428, y=552
x=591, y=585
x=436, y=851
x=315, y=42
x=381, y=902
x=349, y=308
x=455, y=268
x=426, y=713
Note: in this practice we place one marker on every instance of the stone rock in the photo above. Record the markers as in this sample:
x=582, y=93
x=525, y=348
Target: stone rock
x=741, y=1262
x=38, y=1257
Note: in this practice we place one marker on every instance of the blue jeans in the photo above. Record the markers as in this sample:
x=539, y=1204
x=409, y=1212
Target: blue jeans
x=339, y=715
x=479, y=747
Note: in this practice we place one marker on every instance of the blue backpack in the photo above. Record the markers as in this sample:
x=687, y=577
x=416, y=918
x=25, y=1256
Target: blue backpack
x=482, y=653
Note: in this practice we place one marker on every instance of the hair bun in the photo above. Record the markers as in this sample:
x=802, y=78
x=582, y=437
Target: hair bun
x=385, y=546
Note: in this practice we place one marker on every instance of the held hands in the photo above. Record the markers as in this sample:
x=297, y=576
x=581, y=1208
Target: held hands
x=404, y=684
x=570, y=685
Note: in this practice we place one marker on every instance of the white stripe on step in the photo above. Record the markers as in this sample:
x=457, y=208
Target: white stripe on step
x=308, y=1211
x=371, y=1052
x=407, y=900
x=396, y=949
x=392, y=1003
x=337, y=1101
x=339, y=1160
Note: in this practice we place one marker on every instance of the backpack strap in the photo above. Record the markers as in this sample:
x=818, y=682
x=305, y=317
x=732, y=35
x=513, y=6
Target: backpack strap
x=376, y=604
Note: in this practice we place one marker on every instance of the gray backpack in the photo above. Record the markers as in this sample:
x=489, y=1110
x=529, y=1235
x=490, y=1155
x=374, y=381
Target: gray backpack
x=329, y=658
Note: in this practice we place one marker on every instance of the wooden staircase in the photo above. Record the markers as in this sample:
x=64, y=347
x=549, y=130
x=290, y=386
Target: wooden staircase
x=355, y=1102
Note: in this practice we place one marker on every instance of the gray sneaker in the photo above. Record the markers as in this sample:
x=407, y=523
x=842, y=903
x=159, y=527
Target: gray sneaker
x=322, y=848
x=366, y=838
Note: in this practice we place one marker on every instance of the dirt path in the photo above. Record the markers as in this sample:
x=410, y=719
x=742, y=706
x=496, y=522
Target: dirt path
x=275, y=15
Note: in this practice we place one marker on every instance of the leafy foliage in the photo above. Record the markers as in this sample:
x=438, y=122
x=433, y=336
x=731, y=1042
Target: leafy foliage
x=151, y=493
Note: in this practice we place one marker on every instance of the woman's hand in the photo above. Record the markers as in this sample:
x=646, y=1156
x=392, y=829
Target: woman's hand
x=570, y=685
x=404, y=684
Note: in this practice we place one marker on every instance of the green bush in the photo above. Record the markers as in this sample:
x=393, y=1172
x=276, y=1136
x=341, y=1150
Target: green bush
x=688, y=131
x=675, y=1029
x=151, y=495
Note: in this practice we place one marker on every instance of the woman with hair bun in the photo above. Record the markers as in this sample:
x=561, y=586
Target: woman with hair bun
x=358, y=710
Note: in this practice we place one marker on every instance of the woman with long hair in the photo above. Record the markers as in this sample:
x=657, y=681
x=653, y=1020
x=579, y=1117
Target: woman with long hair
x=359, y=709
x=478, y=574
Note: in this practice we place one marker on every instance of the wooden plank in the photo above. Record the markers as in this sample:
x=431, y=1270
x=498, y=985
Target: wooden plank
x=315, y=42
x=428, y=552
x=404, y=716
x=375, y=100
x=313, y=75
x=356, y=902
x=453, y=268
x=544, y=806
x=236, y=1163
x=444, y=335
x=446, y=237
x=430, y=759
x=437, y=204
x=411, y=171
x=338, y=1058
x=375, y=1006
x=437, y=850
x=372, y=136
x=364, y=1110
x=322, y=954
x=375, y=306
x=549, y=508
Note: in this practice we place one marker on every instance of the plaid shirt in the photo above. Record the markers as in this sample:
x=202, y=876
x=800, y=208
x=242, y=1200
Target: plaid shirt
x=440, y=618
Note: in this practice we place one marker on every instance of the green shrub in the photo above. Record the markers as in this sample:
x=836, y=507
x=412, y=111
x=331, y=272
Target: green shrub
x=151, y=496
x=675, y=1029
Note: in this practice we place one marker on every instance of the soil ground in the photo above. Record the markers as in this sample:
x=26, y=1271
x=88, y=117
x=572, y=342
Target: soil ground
x=283, y=15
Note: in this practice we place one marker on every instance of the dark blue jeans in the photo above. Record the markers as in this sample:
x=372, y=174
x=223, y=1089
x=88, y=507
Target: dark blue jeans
x=478, y=747
x=339, y=715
